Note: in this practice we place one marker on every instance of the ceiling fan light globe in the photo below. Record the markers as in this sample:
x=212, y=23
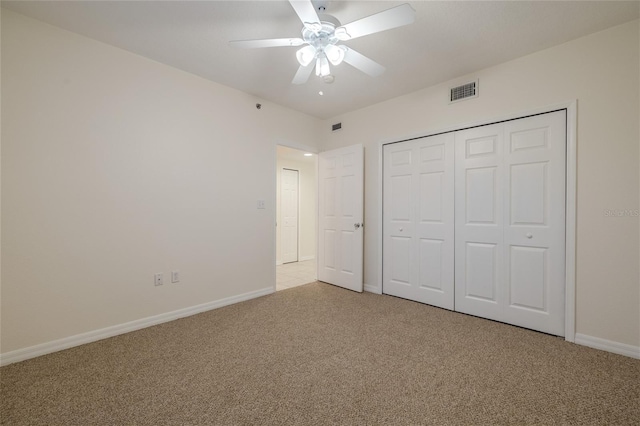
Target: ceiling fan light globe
x=322, y=66
x=305, y=55
x=334, y=53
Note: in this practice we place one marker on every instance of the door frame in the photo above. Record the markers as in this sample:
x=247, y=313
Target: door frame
x=570, y=202
x=274, y=199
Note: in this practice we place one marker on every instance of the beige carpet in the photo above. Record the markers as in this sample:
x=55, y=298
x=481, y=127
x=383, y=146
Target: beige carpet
x=321, y=355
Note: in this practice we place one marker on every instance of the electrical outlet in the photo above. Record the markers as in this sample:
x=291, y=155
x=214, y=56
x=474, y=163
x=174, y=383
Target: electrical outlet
x=261, y=204
x=158, y=279
x=175, y=276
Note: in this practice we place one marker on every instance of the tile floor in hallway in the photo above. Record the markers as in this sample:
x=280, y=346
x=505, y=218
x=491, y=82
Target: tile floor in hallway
x=295, y=273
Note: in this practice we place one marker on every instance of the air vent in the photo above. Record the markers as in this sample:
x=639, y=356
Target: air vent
x=336, y=126
x=465, y=91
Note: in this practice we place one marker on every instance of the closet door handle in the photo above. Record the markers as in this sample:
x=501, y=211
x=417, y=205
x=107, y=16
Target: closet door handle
x=356, y=225
x=529, y=235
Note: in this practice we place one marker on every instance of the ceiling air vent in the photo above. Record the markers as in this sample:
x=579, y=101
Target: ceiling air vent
x=465, y=91
x=336, y=126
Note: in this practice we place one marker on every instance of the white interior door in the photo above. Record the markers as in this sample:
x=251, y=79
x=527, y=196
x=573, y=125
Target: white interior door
x=510, y=222
x=340, y=217
x=418, y=220
x=289, y=208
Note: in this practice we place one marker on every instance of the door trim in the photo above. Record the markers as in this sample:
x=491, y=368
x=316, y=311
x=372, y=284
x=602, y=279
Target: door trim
x=570, y=213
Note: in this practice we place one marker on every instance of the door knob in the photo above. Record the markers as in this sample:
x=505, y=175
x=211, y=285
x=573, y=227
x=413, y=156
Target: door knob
x=529, y=235
x=401, y=229
x=356, y=225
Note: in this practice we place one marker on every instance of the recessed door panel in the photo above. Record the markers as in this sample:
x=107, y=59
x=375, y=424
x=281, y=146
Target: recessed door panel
x=401, y=260
x=401, y=158
x=481, y=146
x=348, y=241
x=431, y=187
x=431, y=263
x=481, y=195
x=329, y=253
x=480, y=271
x=329, y=197
x=348, y=195
x=400, y=194
x=432, y=153
x=528, y=278
x=528, y=194
x=528, y=139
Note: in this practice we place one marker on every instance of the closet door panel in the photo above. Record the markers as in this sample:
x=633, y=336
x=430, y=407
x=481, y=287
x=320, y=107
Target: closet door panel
x=479, y=221
x=418, y=220
x=534, y=237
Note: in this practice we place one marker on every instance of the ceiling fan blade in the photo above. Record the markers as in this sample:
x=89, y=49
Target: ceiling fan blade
x=386, y=20
x=364, y=64
x=306, y=12
x=303, y=73
x=271, y=42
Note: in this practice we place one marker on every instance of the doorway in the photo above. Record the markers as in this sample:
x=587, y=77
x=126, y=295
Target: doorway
x=296, y=213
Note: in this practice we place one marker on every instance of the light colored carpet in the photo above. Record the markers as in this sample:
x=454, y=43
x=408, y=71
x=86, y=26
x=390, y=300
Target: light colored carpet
x=318, y=354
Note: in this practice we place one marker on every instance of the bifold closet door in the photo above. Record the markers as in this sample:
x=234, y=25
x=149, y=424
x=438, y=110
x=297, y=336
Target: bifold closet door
x=510, y=222
x=418, y=220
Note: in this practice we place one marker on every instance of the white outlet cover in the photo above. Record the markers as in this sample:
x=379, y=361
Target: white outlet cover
x=158, y=279
x=175, y=276
x=261, y=204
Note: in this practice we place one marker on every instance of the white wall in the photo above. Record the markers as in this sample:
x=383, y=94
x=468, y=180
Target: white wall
x=115, y=167
x=308, y=195
x=602, y=72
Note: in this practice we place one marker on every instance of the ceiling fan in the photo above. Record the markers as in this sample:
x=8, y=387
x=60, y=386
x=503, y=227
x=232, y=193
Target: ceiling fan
x=322, y=34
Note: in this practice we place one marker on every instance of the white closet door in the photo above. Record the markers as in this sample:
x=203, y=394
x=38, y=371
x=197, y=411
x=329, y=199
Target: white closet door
x=418, y=225
x=510, y=207
x=534, y=210
x=479, y=228
x=289, y=208
x=340, y=221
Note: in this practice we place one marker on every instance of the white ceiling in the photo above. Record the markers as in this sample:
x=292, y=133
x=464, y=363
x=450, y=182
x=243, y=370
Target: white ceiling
x=448, y=39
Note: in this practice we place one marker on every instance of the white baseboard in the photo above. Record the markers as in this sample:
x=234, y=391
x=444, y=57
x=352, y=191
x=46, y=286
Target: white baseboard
x=372, y=289
x=300, y=259
x=103, y=333
x=608, y=345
